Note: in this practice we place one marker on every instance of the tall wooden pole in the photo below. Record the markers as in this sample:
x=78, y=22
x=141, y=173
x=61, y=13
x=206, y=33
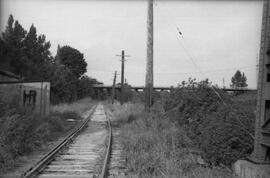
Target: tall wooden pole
x=122, y=75
x=149, y=62
x=113, y=89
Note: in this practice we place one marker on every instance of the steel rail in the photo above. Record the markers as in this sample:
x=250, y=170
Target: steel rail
x=40, y=165
x=108, y=149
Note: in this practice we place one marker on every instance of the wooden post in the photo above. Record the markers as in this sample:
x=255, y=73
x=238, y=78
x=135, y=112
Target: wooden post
x=149, y=63
x=122, y=75
x=113, y=88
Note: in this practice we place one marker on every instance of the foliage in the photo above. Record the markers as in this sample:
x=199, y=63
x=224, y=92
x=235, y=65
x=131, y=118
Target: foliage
x=239, y=80
x=72, y=59
x=28, y=55
x=22, y=132
x=36, y=55
x=193, y=116
x=221, y=126
x=26, y=52
x=85, y=88
x=12, y=42
x=128, y=94
x=63, y=86
x=156, y=147
x=78, y=107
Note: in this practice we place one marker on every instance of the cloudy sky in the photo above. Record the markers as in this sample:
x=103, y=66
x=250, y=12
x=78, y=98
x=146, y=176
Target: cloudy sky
x=219, y=37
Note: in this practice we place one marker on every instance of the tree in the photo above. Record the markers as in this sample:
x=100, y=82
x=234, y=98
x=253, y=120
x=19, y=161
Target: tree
x=127, y=92
x=26, y=54
x=13, y=43
x=63, y=85
x=85, y=87
x=72, y=59
x=239, y=80
x=4, y=59
x=36, y=55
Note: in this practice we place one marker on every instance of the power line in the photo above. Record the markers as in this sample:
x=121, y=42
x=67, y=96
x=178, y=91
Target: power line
x=193, y=61
x=180, y=73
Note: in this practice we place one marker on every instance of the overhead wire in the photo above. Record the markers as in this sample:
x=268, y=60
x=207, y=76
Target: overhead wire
x=189, y=152
x=192, y=59
x=181, y=73
x=194, y=63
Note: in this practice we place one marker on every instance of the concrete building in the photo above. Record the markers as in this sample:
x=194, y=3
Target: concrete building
x=31, y=95
x=258, y=165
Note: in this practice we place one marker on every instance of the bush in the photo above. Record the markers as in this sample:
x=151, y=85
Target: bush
x=22, y=131
x=221, y=128
x=157, y=147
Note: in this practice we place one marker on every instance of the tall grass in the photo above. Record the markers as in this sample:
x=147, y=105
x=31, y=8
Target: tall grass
x=22, y=132
x=125, y=113
x=157, y=147
x=78, y=107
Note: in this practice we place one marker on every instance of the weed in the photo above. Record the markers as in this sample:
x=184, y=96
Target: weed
x=23, y=131
x=78, y=107
x=156, y=146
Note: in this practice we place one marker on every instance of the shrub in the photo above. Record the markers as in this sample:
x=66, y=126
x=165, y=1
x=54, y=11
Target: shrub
x=218, y=124
x=22, y=131
x=157, y=147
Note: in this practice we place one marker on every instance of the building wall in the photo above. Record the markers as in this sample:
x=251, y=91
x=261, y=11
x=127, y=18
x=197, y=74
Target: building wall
x=262, y=140
x=35, y=95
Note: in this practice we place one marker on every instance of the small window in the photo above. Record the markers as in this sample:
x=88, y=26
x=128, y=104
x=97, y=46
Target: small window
x=267, y=109
x=268, y=77
x=267, y=155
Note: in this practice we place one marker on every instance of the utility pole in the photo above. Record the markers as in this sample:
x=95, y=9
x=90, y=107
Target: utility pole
x=257, y=68
x=122, y=74
x=113, y=88
x=149, y=63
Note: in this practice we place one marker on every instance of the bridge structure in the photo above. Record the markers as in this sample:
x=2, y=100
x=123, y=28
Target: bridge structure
x=134, y=88
x=102, y=90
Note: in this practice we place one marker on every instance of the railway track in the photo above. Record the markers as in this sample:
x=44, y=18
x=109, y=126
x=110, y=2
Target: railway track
x=80, y=154
x=91, y=150
x=116, y=165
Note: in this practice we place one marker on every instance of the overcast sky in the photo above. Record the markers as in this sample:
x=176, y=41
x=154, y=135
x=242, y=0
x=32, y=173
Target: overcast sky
x=220, y=37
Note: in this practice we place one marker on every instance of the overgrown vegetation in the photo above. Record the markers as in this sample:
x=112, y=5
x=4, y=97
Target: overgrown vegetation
x=239, y=80
x=28, y=55
x=191, y=125
x=221, y=126
x=22, y=132
x=156, y=147
x=77, y=107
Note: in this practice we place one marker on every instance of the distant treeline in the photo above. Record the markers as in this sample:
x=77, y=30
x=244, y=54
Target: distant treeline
x=28, y=55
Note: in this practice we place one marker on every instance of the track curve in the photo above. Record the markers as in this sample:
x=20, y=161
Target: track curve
x=80, y=154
